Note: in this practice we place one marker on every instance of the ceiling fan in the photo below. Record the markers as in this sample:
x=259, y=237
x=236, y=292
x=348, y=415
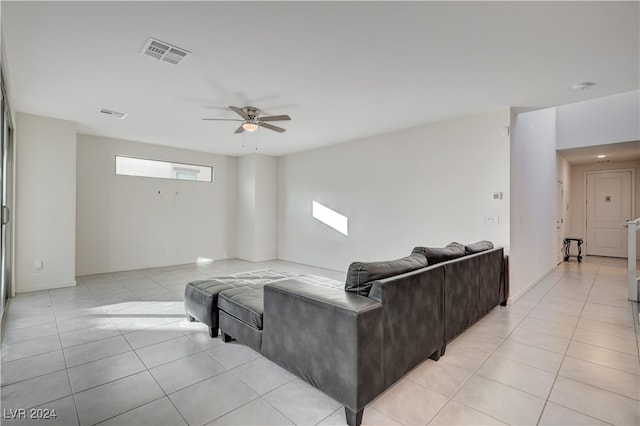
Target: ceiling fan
x=251, y=120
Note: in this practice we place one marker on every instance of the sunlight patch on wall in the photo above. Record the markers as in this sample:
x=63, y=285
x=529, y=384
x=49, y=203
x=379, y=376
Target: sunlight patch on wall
x=330, y=218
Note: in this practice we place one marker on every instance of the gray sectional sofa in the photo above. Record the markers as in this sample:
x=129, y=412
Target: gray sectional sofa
x=352, y=343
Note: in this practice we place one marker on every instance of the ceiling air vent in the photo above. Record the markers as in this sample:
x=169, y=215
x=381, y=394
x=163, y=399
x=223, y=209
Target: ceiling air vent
x=113, y=114
x=164, y=52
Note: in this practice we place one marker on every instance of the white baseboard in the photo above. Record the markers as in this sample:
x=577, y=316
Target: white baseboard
x=514, y=298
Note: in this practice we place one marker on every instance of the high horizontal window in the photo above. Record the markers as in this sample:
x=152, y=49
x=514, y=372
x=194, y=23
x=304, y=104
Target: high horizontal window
x=132, y=166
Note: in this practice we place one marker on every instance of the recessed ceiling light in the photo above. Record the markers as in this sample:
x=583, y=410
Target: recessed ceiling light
x=585, y=85
x=601, y=156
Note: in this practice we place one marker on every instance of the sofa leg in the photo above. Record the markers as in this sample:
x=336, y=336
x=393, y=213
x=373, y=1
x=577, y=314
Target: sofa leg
x=503, y=303
x=226, y=338
x=438, y=353
x=354, y=418
x=213, y=332
x=190, y=318
x=435, y=356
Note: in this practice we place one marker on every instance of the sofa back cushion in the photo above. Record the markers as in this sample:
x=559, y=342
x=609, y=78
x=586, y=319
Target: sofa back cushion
x=478, y=247
x=441, y=254
x=361, y=275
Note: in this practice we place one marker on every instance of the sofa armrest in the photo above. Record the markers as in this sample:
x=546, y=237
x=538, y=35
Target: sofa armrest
x=412, y=320
x=328, y=337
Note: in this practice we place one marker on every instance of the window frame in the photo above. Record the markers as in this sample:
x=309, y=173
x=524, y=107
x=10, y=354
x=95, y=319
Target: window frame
x=188, y=168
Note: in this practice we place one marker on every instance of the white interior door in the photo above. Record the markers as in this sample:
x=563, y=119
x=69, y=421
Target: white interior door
x=609, y=199
x=559, y=223
x=4, y=287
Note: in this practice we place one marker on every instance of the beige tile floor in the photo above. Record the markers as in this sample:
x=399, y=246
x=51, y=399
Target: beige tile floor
x=117, y=350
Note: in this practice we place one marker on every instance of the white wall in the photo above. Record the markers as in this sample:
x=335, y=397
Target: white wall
x=534, y=177
x=45, y=202
x=266, y=217
x=428, y=185
x=127, y=222
x=257, y=207
x=246, y=207
x=564, y=175
x=577, y=207
x=606, y=120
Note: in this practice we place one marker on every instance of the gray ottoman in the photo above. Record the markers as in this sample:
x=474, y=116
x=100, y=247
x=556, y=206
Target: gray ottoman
x=241, y=311
x=201, y=300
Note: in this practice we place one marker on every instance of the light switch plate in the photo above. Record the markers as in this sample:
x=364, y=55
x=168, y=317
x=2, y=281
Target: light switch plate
x=491, y=220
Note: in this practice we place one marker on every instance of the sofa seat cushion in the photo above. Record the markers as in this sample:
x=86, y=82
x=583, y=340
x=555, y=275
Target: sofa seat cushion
x=436, y=255
x=244, y=303
x=478, y=247
x=361, y=275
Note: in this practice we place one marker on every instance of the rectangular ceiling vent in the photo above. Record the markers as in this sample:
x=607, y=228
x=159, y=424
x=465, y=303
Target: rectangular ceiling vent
x=113, y=114
x=164, y=52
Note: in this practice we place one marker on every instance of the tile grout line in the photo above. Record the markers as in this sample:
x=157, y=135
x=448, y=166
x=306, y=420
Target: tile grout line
x=475, y=371
x=567, y=348
x=565, y=355
x=332, y=413
x=67, y=369
x=75, y=407
x=157, y=384
x=202, y=350
x=230, y=370
x=504, y=339
x=146, y=369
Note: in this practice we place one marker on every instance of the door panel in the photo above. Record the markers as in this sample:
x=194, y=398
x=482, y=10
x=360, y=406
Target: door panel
x=609, y=201
x=5, y=217
x=609, y=238
x=6, y=185
x=559, y=223
x=3, y=138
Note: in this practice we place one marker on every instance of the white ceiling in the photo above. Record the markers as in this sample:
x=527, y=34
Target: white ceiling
x=625, y=151
x=341, y=70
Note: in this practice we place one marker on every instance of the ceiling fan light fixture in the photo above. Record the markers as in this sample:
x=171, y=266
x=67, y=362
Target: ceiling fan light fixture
x=250, y=127
x=251, y=119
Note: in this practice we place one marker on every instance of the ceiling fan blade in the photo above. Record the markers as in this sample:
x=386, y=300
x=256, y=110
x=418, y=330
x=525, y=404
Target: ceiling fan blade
x=240, y=112
x=239, y=129
x=272, y=127
x=275, y=118
x=222, y=119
